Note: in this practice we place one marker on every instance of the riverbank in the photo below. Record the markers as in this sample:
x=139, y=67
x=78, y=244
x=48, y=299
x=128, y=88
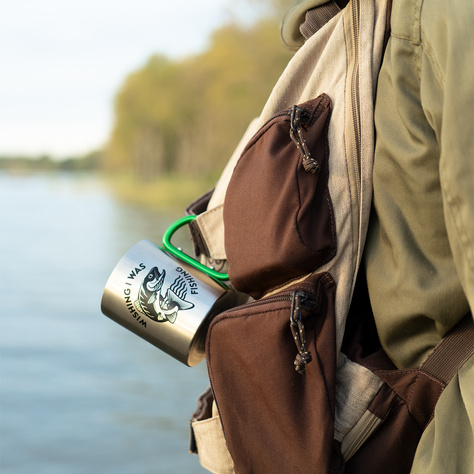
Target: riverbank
x=170, y=192
x=167, y=192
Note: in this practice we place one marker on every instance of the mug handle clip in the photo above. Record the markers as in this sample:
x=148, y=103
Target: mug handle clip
x=178, y=253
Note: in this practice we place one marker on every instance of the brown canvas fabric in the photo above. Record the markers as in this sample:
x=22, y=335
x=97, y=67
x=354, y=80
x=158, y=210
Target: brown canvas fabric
x=278, y=217
x=275, y=419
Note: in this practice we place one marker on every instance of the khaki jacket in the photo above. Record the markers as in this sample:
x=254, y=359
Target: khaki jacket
x=420, y=249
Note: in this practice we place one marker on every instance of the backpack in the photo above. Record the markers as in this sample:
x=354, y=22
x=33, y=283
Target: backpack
x=299, y=382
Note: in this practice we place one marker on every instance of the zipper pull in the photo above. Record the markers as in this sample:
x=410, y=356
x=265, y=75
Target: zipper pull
x=296, y=134
x=297, y=329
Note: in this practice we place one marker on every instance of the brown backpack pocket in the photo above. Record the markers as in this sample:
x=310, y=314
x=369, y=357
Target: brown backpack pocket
x=276, y=419
x=278, y=218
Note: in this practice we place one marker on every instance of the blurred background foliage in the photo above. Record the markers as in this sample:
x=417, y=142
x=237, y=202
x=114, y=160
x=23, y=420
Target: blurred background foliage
x=180, y=119
x=185, y=117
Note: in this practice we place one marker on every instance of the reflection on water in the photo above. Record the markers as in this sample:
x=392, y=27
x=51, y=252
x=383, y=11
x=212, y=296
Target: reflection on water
x=78, y=393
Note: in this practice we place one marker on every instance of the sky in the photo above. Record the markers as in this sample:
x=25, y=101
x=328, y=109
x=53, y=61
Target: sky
x=62, y=62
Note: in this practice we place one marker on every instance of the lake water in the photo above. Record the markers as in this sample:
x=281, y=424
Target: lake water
x=78, y=393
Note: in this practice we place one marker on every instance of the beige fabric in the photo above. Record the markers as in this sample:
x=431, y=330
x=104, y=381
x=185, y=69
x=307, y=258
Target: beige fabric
x=213, y=453
x=359, y=434
x=352, y=381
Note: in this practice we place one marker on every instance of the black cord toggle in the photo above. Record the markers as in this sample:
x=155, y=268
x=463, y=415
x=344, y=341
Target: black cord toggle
x=297, y=329
x=296, y=133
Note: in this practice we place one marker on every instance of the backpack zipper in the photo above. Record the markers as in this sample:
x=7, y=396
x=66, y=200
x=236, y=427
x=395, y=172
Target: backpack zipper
x=296, y=133
x=297, y=329
x=306, y=299
x=298, y=300
x=298, y=118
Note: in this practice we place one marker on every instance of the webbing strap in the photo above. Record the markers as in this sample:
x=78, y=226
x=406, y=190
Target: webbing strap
x=452, y=352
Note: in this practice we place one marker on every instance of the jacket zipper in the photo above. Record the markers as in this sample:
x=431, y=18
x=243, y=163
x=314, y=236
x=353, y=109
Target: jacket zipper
x=351, y=18
x=355, y=91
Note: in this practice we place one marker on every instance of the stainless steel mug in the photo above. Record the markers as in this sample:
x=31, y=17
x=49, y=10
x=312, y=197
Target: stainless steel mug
x=168, y=300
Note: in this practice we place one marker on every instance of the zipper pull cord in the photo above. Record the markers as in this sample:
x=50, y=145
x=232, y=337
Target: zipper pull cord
x=297, y=329
x=296, y=134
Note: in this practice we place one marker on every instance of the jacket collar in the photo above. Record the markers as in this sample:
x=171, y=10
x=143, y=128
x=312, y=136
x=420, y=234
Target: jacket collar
x=296, y=16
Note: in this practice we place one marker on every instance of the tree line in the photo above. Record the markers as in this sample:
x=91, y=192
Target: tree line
x=89, y=162
x=185, y=117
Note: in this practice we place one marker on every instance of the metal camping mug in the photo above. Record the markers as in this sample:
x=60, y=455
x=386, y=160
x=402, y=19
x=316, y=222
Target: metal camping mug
x=167, y=297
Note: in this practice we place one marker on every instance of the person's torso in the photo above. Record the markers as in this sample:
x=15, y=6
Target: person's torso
x=415, y=291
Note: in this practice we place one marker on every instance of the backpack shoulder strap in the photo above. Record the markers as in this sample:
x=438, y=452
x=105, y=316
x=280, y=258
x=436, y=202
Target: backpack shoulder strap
x=452, y=351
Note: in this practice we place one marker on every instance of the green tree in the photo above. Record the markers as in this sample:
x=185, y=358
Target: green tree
x=185, y=117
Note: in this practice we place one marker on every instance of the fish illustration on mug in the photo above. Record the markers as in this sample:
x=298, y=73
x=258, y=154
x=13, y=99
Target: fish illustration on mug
x=157, y=307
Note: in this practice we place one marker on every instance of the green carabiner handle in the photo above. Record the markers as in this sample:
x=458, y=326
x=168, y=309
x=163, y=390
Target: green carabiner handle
x=185, y=257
